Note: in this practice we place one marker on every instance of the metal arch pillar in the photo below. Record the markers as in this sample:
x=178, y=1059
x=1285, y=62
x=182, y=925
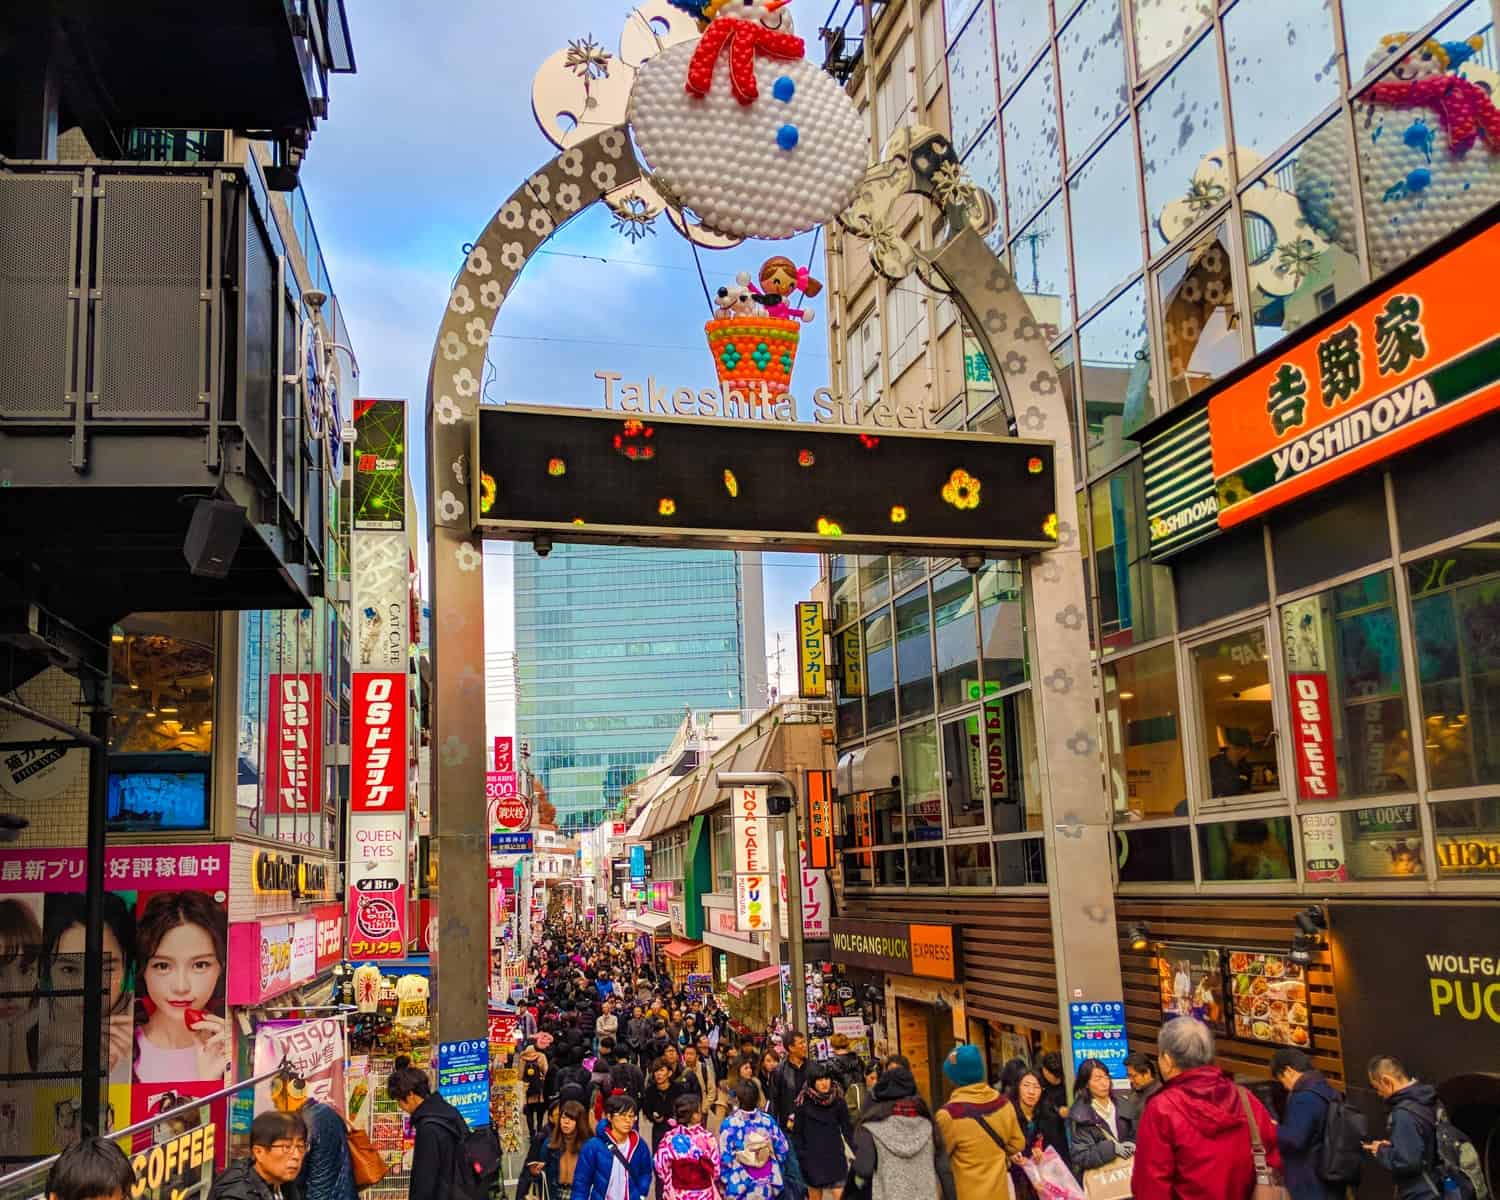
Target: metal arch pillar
x=1074, y=804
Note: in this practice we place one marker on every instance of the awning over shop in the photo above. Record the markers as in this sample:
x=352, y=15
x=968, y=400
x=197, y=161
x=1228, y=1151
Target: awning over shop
x=758, y=978
x=681, y=949
x=652, y=922
x=872, y=768
x=625, y=925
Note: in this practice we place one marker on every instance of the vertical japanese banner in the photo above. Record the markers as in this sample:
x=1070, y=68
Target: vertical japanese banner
x=751, y=828
x=812, y=663
x=818, y=786
x=852, y=662
x=382, y=601
x=167, y=1036
x=294, y=733
x=1312, y=737
x=505, y=754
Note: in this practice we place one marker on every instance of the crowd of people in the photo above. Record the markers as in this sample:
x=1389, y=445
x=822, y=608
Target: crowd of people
x=634, y=1088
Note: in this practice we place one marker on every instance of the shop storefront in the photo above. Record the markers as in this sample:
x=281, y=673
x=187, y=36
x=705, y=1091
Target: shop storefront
x=923, y=1011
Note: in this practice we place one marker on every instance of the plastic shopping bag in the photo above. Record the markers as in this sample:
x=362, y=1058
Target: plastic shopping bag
x=1051, y=1177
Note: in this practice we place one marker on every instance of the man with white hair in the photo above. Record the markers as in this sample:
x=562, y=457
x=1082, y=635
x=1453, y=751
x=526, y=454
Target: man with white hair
x=1194, y=1141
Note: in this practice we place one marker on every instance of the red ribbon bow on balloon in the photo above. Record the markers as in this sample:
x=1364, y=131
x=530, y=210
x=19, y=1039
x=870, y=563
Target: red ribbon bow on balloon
x=1464, y=109
x=744, y=38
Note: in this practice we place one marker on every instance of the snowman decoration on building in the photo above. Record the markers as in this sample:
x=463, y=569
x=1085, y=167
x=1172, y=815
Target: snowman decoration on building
x=1429, y=152
x=738, y=127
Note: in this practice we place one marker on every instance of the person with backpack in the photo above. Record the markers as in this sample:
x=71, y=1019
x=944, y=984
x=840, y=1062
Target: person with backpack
x=445, y=1165
x=534, y=1086
x=898, y=1154
x=822, y=1131
x=1320, y=1137
x=614, y=1164
x=978, y=1127
x=1424, y=1151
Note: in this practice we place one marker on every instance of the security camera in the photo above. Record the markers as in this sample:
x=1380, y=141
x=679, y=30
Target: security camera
x=542, y=544
x=314, y=298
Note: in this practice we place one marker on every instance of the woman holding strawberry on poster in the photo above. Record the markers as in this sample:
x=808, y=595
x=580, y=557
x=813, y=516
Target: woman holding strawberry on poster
x=181, y=1032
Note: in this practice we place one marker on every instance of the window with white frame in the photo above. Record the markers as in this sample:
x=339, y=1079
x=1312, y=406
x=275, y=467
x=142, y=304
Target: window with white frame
x=895, y=105
x=930, y=37
x=862, y=361
x=906, y=325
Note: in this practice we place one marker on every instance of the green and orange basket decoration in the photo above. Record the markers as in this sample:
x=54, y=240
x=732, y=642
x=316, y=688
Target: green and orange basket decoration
x=754, y=356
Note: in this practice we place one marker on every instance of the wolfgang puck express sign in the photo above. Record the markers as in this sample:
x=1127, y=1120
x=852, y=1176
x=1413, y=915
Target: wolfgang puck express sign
x=1417, y=358
x=925, y=950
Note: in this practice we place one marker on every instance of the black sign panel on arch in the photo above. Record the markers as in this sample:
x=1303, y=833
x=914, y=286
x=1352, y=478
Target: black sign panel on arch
x=582, y=476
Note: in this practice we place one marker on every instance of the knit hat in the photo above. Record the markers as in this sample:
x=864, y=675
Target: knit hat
x=896, y=1083
x=964, y=1065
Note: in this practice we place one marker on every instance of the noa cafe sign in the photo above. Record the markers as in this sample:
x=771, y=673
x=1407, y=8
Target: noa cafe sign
x=650, y=398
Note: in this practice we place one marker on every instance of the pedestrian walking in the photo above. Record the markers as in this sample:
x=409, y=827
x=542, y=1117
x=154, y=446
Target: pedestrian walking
x=1145, y=1080
x=278, y=1142
x=94, y=1168
x=1304, y=1126
x=898, y=1154
x=439, y=1131
x=553, y=1161
x=615, y=1163
x=660, y=1101
x=753, y=1150
x=1042, y=1129
x=687, y=1159
x=789, y=1077
x=534, y=1070
x=1100, y=1131
x=699, y=1073
x=1054, y=1088
x=1198, y=1135
x=1409, y=1149
x=822, y=1132
x=978, y=1127
x=327, y=1170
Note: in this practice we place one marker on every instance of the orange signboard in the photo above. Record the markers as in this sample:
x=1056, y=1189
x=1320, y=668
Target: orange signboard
x=1417, y=359
x=820, y=820
x=932, y=953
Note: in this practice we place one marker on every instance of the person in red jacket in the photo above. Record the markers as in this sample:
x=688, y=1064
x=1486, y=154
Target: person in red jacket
x=1193, y=1142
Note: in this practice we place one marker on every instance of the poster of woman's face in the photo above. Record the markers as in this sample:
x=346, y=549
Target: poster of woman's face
x=182, y=1031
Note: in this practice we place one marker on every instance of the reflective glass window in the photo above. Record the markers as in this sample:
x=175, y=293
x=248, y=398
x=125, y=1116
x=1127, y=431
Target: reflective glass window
x=1455, y=614
x=1023, y=26
x=1103, y=196
x=957, y=636
x=1151, y=855
x=963, y=773
x=1039, y=257
x=1062, y=360
x=1002, y=624
x=1163, y=27
x=922, y=797
x=1200, y=319
x=914, y=653
x=1299, y=249
x=1182, y=124
x=1363, y=844
x=880, y=671
x=1134, y=594
x=955, y=13
x=906, y=571
x=1010, y=763
x=1238, y=721
x=1091, y=57
x=1290, y=42
x=1345, y=694
x=1254, y=849
x=1468, y=838
x=925, y=863
x=1376, y=32
x=874, y=581
x=971, y=79
x=890, y=868
x=844, y=588
x=1033, y=155
x=1417, y=184
x=1114, y=358
x=971, y=866
x=1020, y=862
x=982, y=162
x=1143, y=735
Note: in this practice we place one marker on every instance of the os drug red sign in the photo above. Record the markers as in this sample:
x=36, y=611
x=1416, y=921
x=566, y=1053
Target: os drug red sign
x=377, y=771
x=1312, y=724
x=294, y=735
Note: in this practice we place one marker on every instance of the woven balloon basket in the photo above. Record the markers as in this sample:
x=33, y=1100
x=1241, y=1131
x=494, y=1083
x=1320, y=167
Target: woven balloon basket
x=754, y=355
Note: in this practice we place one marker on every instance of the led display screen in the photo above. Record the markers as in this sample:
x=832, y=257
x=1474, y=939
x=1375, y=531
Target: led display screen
x=583, y=476
x=144, y=801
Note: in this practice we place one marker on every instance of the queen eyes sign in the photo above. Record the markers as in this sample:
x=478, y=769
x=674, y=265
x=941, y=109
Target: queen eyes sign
x=583, y=476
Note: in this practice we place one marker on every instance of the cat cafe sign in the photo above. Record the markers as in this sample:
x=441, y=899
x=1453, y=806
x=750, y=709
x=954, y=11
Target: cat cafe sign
x=651, y=399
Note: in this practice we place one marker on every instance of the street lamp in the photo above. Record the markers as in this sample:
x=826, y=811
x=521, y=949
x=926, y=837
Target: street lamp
x=781, y=797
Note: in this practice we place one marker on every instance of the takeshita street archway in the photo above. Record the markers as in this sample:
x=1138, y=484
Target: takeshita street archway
x=916, y=162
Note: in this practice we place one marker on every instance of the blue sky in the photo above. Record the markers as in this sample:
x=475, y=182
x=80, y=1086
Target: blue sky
x=420, y=147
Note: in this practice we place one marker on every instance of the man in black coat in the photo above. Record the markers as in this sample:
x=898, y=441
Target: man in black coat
x=789, y=1077
x=440, y=1131
x=278, y=1142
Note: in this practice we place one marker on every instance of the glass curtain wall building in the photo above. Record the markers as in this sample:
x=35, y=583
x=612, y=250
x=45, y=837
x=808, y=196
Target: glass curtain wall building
x=613, y=646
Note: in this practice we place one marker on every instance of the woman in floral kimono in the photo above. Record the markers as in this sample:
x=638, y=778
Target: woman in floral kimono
x=687, y=1159
x=753, y=1150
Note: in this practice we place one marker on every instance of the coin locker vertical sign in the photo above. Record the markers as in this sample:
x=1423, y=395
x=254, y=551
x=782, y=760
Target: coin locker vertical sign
x=380, y=737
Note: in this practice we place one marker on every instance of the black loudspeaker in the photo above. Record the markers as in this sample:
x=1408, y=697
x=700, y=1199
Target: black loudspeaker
x=213, y=536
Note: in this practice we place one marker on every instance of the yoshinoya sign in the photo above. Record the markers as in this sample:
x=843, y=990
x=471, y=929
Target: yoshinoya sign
x=1393, y=367
x=930, y=951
